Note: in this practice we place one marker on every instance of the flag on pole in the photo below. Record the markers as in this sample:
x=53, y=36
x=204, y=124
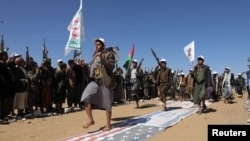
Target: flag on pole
x=189, y=52
x=129, y=58
x=76, y=29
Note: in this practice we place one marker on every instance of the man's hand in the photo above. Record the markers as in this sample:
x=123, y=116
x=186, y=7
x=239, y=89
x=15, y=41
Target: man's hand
x=10, y=59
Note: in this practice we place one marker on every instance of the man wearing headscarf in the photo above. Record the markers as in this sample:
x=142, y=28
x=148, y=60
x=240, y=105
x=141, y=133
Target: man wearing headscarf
x=21, y=88
x=227, y=83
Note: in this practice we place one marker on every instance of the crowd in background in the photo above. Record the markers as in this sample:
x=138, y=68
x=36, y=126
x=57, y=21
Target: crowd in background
x=27, y=87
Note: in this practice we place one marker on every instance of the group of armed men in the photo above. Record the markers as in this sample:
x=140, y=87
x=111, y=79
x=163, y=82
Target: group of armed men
x=27, y=87
x=200, y=84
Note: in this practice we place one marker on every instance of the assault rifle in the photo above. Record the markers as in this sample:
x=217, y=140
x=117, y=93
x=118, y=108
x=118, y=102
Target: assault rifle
x=45, y=51
x=2, y=48
x=27, y=55
x=139, y=66
x=27, y=59
x=157, y=59
x=2, y=44
x=242, y=73
x=75, y=55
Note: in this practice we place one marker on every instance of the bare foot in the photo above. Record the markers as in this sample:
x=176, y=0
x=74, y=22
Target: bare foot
x=164, y=107
x=106, y=128
x=88, y=124
x=137, y=107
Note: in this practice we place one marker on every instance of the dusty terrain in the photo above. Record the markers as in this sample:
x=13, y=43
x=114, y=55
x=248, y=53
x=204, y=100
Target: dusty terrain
x=193, y=127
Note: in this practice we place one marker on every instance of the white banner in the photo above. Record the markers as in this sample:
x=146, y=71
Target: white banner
x=76, y=30
x=189, y=52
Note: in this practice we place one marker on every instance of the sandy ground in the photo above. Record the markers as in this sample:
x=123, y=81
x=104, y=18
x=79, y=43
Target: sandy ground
x=193, y=127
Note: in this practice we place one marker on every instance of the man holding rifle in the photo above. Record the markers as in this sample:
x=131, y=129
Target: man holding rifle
x=165, y=81
x=136, y=73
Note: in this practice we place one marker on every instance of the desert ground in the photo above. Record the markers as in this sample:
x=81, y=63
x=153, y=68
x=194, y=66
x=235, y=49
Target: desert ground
x=193, y=127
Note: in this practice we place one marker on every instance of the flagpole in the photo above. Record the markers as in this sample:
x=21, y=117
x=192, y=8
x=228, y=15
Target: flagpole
x=80, y=3
x=129, y=63
x=193, y=56
x=81, y=30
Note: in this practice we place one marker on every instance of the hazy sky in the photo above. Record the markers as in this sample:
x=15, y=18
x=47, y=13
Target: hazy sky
x=220, y=29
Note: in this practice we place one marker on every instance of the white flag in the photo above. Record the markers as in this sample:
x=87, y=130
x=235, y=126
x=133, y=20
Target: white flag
x=189, y=51
x=76, y=30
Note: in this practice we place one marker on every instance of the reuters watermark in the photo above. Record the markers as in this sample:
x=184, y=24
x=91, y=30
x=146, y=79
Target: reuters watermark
x=241, y=132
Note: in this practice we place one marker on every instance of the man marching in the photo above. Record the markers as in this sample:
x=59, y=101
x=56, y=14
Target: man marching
x=165, y=81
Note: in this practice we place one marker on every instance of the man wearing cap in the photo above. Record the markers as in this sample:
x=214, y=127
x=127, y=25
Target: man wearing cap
x=165, y=81
x=99, y=93
x=136, y=75
x=227, y=83
x=202, y=77
x=59, y=63
x=61, y=79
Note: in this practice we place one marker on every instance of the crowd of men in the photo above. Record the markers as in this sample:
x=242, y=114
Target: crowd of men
x=27, y=87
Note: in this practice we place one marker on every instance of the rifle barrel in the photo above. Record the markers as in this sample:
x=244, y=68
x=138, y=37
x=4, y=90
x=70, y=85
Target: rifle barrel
x=154, y=54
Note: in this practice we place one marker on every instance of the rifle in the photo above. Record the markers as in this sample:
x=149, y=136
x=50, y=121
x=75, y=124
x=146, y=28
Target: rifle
x=243, y=73
x=27, y=60
x=75, y=55
x=157, y=59
x=27, y=55
x=2, y=48
x=2, y=44
x=139, y=66
x=45, y=51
